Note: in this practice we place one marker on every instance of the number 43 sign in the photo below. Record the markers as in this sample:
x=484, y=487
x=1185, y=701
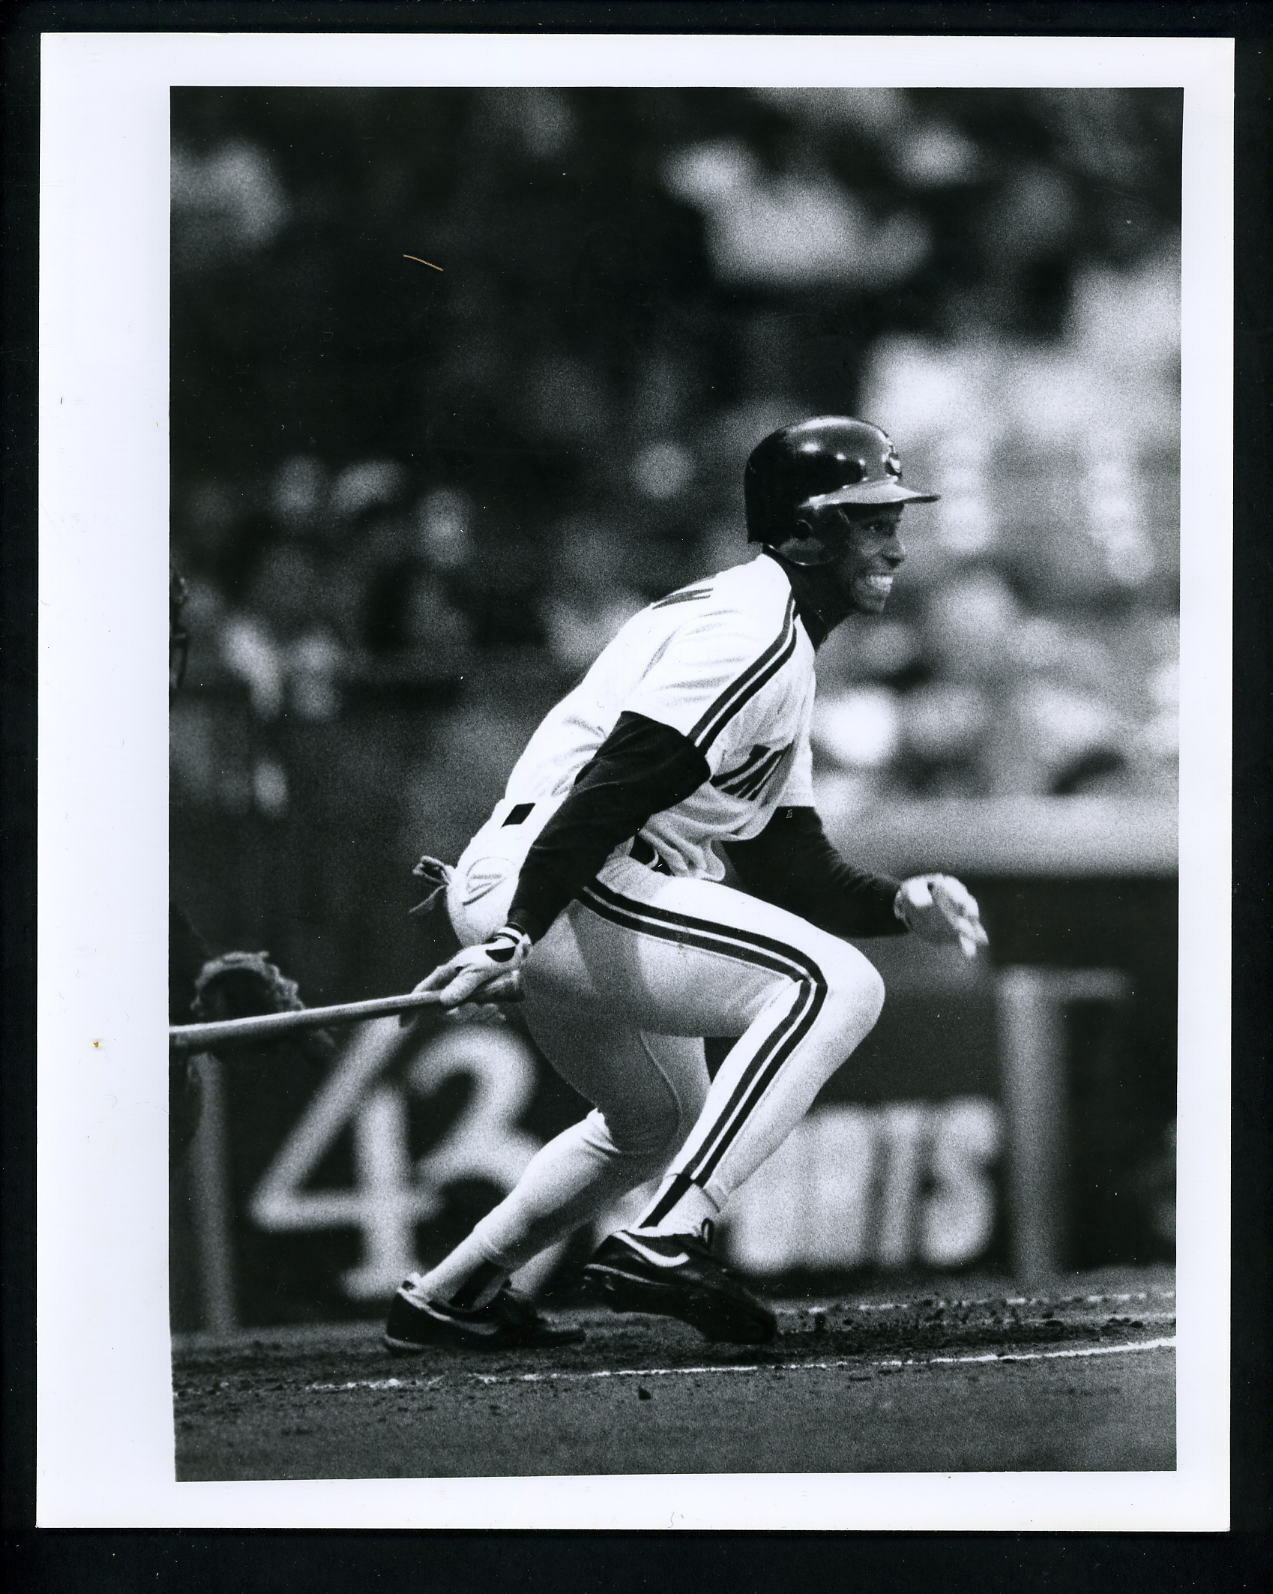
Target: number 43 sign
x=392, y=1191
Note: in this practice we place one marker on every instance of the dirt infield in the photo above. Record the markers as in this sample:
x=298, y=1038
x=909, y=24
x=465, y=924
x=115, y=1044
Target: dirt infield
x=1077, y=1377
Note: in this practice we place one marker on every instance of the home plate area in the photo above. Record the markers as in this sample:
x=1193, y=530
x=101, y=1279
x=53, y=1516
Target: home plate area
x=1080, y=1376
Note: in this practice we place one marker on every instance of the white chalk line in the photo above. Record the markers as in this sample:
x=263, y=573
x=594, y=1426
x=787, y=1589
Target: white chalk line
x=488, y=1379
x=1007, y=1300
x=1037, y=1355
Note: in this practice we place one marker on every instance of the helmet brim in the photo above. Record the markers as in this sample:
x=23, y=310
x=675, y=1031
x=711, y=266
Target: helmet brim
x=871, y=493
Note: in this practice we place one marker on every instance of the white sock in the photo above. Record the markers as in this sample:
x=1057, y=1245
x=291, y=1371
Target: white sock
x=467, y=1279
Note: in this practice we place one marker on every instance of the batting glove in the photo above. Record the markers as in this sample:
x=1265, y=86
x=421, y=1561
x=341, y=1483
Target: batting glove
x=489, y=971
x=940, y=908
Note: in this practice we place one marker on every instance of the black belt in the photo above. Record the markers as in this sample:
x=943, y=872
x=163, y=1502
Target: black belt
x=643, y=851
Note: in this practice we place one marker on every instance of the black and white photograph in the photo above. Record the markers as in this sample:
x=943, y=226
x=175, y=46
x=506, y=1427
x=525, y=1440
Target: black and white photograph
x=672, y=784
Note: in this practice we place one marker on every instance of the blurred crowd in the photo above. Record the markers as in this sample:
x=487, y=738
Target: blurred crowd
x=413, y=500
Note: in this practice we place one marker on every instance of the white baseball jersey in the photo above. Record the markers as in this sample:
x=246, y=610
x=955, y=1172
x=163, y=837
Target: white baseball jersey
x=727, y=662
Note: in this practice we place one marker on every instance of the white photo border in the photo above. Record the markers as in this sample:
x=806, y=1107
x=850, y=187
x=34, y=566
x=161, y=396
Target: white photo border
x=104, y=1403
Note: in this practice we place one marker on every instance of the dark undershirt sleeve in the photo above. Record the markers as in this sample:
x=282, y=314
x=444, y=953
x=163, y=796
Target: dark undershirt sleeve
x=793, y=865
x=640, y=769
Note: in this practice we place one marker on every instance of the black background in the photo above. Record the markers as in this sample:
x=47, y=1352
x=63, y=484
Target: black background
x=112, y=1561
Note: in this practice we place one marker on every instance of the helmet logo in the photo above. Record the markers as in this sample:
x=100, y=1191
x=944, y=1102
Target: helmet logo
x=892, y=464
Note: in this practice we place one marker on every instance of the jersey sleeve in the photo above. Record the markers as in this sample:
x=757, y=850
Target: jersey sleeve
x=713, y=680
x=798, y=792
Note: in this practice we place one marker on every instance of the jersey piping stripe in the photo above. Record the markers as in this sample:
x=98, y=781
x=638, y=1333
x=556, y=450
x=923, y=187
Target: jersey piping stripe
x=778, y=1045
x=745, y=686
x=739, y=691
x=681, y=597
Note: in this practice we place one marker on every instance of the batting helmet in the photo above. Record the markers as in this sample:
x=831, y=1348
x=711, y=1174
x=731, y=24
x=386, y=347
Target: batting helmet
x=831, y=459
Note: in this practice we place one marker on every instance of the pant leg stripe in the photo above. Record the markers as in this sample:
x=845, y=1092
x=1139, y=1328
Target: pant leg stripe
x=679, y=1186
x=709, y=940
x=743, y=941
x=760, y=1073
x=764, y=951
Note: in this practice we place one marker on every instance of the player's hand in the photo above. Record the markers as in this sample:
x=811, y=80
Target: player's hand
x=494, y=1011
x=488, y=972
x=940, y=908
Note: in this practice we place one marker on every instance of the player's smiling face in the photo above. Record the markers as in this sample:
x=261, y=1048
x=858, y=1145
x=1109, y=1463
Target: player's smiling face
x=866, y=551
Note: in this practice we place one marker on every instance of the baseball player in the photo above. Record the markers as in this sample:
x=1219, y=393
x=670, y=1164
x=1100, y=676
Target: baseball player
x=596, y=887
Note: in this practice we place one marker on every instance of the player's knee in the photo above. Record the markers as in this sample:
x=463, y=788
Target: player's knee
x=875, y=994
x=854, y=990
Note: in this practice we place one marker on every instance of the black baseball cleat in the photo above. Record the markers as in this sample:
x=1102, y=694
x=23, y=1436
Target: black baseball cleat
x=675, y=1275
x=507, y=1322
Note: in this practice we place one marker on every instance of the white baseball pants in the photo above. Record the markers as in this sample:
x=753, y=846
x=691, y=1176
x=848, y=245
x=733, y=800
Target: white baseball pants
x=620, y=993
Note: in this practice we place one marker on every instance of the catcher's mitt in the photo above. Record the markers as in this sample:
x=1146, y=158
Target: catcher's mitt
x=246, y=984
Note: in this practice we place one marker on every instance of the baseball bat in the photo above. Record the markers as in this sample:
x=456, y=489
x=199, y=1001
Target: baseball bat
x=271, y=1026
